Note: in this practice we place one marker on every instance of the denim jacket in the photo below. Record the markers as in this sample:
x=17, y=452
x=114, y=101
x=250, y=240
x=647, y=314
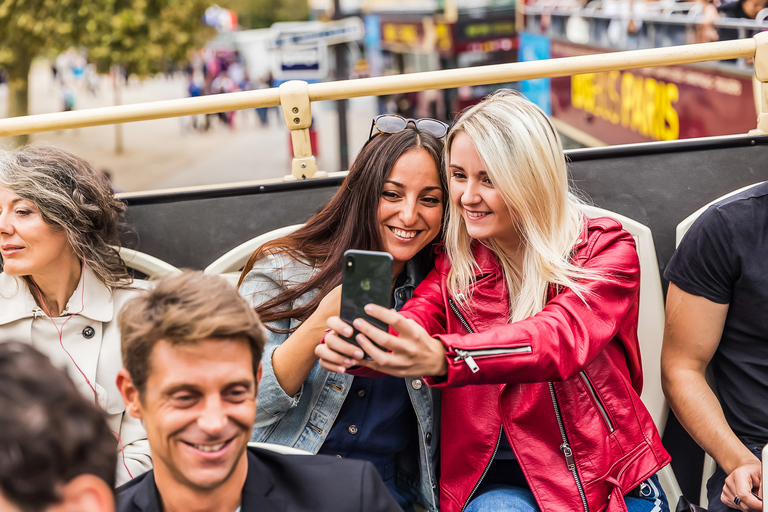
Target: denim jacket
x=304, y=420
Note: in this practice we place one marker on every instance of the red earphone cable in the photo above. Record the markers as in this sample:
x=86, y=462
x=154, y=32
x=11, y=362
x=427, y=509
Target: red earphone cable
x=61, y=343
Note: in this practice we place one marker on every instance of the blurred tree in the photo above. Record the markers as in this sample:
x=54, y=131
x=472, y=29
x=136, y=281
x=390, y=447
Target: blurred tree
x=26, y=29
x=141, y=36
x=263, y=13
x=144, y=37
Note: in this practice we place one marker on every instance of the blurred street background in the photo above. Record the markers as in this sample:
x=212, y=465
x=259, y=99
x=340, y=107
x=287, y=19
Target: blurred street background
x=82, y=54
x=169, y=153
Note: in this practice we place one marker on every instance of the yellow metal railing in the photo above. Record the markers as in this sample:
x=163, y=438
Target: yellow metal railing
x=295, y=97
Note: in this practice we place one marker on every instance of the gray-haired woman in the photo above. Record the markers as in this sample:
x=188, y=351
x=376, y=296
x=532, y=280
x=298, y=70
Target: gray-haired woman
x=63, y=283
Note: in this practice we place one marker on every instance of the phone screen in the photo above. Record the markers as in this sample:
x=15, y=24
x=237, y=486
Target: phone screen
x=366, y=279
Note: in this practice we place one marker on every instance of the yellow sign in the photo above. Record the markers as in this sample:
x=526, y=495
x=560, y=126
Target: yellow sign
x=642, y=104
x=443, y=33
x=404, y=33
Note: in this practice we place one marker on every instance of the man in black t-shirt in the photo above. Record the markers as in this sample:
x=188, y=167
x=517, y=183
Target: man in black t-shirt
x=717, y=313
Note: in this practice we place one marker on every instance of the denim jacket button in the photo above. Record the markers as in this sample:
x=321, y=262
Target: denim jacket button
x=417, y=383
x=352, y=429
x=429, y=437
x=402, y=295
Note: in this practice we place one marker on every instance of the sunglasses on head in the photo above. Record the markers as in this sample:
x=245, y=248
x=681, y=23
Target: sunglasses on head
x=392, y=123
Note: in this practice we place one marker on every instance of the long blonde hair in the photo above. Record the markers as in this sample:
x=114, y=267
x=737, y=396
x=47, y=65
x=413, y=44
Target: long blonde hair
x=524, y=159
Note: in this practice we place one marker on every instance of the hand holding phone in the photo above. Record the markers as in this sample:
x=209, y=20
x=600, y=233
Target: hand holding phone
x=366, y=279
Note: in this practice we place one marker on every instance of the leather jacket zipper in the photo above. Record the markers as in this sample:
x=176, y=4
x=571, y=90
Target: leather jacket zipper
x=570, y=461
x=600, y=405
x=468, y=355
x=456, y=311
x=485, y=471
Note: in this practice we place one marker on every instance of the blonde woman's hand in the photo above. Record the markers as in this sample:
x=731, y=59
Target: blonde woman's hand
x=413, y=354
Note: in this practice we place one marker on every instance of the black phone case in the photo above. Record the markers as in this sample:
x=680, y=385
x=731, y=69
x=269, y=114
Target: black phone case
x=366, y=279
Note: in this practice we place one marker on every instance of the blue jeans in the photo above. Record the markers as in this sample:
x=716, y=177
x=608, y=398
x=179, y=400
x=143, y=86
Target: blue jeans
x=717, y=481
x=506, y=498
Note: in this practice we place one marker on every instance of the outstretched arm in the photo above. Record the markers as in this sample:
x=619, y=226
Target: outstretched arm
x=413, y=353
x=295, y=357
x=287, y=360
x=692, y=334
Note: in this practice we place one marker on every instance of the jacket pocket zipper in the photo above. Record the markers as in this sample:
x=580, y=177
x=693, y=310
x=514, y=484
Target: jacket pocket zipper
x=600, y=405
x=468, y=355
x=570, y=461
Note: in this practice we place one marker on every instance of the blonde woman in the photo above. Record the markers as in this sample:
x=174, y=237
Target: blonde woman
x=529, y=324
x=63, y=283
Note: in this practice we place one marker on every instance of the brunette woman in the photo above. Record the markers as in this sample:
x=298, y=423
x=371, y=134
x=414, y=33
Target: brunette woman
x=392, y=200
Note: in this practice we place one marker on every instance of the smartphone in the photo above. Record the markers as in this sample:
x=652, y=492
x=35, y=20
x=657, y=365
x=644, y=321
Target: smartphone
x=366, y=279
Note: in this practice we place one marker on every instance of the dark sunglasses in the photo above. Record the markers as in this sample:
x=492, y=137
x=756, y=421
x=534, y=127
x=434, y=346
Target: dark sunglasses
x=392, y=123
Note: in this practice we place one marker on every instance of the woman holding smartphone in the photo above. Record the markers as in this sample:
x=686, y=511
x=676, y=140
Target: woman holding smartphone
x=529, y=326
x=392, y=200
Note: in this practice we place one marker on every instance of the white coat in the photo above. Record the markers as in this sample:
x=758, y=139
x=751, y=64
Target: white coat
x=92, y=339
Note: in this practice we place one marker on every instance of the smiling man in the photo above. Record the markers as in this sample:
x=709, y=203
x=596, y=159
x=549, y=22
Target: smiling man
x=192, y=350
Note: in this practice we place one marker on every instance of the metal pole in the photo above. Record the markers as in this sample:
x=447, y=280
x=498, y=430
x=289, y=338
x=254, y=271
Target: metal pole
x=341, y=105
x=329, y=91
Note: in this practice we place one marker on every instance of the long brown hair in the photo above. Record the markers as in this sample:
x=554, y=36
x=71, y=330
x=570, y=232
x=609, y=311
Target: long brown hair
x=348, y=221
x=71, y=196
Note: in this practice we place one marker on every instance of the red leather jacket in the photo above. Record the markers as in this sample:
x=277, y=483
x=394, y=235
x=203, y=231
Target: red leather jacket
x=564, y=383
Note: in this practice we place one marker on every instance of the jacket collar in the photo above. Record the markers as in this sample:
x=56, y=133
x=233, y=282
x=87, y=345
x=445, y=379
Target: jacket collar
x=487, y=262
x=258, y=483
x=145, y=497
x=90, y=296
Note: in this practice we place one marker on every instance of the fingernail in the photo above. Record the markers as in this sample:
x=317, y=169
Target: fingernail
x=367, y=308
x=357, y=323
x=358, y=354
x=341, y=369
x=348, y=332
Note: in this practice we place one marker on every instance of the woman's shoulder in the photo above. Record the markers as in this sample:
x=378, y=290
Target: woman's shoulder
x=484, y=257
x=605, y=236
x=602, y=229
x=279, y=265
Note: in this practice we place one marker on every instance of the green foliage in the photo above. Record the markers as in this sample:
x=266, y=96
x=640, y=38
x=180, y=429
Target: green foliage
x=263, y=13
x=140, y=35
x=27, y=27
x=143, y=35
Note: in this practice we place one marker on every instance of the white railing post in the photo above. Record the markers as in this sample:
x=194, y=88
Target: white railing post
x=761, y=74
x=297, y=112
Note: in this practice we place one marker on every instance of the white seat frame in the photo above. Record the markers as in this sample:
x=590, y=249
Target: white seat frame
x=230, y=264
x=279, y=448
x=145, y=263
x=650, y=333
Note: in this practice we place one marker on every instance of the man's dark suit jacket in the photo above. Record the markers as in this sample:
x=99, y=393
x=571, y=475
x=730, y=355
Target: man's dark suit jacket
x=290, y=483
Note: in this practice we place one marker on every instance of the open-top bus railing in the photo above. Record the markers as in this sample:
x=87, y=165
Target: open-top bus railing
x=295, y=97
x=656, y=184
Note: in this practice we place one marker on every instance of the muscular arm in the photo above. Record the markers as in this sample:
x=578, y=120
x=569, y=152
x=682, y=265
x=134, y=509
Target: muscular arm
x=692, y=333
